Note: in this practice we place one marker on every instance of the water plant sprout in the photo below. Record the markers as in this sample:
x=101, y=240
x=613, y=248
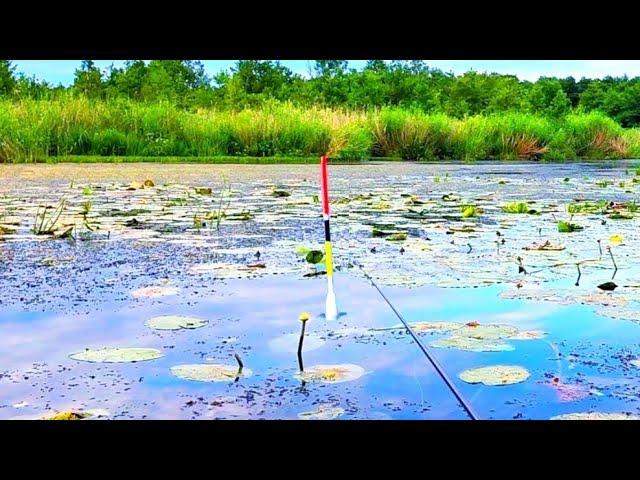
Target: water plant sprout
x=46, y=224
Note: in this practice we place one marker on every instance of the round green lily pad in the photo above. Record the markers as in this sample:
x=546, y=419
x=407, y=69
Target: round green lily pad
x=331, y=373
x=495, y=375
x=117, y=355
x=206, y=372
x=596, y=416
x=175, y=322
x=314, y=256
x=487, y=332
x=322, y=412
x=289, y=343
x=472, y=344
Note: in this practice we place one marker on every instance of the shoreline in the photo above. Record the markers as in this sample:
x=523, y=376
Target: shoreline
x=228, y=160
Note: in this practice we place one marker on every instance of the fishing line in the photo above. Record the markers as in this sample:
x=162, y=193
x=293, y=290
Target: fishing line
x=472, y=414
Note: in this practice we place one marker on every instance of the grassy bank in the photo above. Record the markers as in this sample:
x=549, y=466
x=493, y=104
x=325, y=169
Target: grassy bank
x=204, y=160
x=78, y=129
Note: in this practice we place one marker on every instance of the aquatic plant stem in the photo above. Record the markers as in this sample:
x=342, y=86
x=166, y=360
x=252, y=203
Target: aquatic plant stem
x=614, y=262
x=300, y=364
x=240, y=366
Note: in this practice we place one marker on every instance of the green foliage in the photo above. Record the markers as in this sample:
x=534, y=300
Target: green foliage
x=73, y=125
x=314, y=256
x=518, y=207
x=470, y=211
x=409, y=85
x=587, y=207
x=7, y=79
x=567, y=227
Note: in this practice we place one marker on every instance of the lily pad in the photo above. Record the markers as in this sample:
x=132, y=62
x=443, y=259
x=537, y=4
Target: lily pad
x=544, y=247
x=331, y=373
x=69, y=415
x=435, y=326
x=155, y=292
x=596, y=416
x=76, y=415
x=322, y=412
x=205, y=372
x=566, y=227
x=116, y=355
x=472, y=344
x=495, y=375
x=397, y=237
x=175, y=322
x=314, y=256
x=528, y=335
x=280, y=193
x=486, y=332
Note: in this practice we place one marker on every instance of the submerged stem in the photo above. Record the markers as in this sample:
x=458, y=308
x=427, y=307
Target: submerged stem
x=240, y=366
x=614, y=263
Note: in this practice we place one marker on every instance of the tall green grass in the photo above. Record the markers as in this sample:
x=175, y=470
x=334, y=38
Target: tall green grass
x=32, y=130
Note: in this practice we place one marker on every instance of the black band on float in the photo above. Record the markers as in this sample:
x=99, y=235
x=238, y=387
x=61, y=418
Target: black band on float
x=327, y=234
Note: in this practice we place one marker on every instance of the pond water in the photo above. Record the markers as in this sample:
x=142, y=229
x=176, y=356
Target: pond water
x=481, y=287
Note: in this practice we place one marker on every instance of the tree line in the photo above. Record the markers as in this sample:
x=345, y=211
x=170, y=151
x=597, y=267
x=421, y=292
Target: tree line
x=330, y=83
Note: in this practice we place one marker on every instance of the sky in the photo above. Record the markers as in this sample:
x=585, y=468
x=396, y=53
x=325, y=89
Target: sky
x=61, y=71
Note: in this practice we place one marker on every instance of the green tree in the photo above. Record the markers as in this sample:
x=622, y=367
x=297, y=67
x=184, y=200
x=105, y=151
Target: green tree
x=560, y=105
x=593, y=96
x=7, y=80
x=546, y=96
x=128, y=81
x=330, y=68
x=88, y=80
x=30, y=87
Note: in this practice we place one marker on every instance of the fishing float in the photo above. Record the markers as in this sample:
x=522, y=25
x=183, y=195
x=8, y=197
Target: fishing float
x=331, y=309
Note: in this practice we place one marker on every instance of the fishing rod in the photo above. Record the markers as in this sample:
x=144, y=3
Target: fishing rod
x=331, y=309
x=470, y=411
